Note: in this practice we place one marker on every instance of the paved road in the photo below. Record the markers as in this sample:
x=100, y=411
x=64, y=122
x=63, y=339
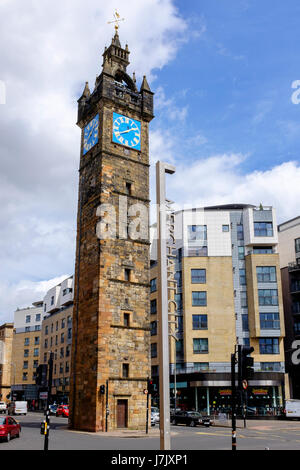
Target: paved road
x=274, y=435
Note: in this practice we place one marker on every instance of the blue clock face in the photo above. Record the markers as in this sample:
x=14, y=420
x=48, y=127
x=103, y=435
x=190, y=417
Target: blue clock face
x=126, y=131
x=91, y=132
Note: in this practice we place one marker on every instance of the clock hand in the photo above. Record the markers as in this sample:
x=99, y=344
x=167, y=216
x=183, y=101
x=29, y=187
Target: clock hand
x=91, y=132
x=128, y=130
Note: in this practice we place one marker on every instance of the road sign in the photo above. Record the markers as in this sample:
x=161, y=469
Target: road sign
x=245, y=384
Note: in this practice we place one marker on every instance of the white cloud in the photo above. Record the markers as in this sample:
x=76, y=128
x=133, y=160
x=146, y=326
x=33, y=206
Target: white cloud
x=219, y=180
x=23, y=294
x=49, y=49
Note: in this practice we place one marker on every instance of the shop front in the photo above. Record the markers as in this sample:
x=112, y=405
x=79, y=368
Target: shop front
x=261, y=399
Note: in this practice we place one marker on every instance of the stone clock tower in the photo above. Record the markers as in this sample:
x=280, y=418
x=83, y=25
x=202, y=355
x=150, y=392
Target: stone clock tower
x=111, y=333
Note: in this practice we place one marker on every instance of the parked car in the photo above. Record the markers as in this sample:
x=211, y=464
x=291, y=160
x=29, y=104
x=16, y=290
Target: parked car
x=17, y=408
x=9, y=427
x=190, y=418
x=62, y=410
x=154, y=415
x=2, y=407
x=53, y=409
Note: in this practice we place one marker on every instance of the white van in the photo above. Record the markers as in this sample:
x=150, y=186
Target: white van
x=292, y=409
x=17, y=408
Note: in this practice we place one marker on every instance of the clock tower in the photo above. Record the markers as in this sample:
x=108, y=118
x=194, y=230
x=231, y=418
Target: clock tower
x=111, y=328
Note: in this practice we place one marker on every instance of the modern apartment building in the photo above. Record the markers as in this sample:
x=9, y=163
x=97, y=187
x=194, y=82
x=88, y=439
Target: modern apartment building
x=228, y=293
x=57, y=337
x=289, y=247
x=26, y=351
x=6, y=338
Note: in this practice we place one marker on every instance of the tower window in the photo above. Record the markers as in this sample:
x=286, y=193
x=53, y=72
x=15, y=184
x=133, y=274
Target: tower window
x=125, y=370
x=128, y=189
x=127, y=274
x=126, y=319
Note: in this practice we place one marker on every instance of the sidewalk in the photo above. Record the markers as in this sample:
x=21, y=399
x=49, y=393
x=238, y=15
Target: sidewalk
x=125, y=433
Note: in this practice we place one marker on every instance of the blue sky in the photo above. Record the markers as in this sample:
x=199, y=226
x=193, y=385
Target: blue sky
x=235, y=80
x=222, y=73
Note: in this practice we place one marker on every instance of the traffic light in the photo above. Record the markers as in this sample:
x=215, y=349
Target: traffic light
x=246, y=363
x=150, y=387
x=102, y=389
x=41, y=375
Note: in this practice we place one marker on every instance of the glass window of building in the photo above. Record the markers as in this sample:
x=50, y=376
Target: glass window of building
x=199, y=322
x=178, y=300
x=27, y=328
x=198, y=276
x=46, y=330
x=52, y=300
x=36, y=352
x=63, y=322
x=246, y=342
x=200, y=346
x=37, y=327
x=243, y=277
x=153, y=306
x=26, y=342
x=38, y=317
x=62, y=338
x=27, y=319
x=201, y=366
x=262, y=250
x=263, y=229
x=25, y=365
x=179, y=347
x=266, y=273
x=241, y=252
x=297, y=327
x=153, y=349
x=26, y=352
x=35, y=364
x=153, y=325
x=267, y=297
x=269, y=321
x=37, y=340
x=197, y=232
x=244, y=299
x=268, y=345
x=153, y=286
x=25, y=376
x=225, y=228
x=270, y=366
x=178, y=278
x=245, y=322
x=199, y=299
x=297, y=245
x=180, y=323
x=240, y=231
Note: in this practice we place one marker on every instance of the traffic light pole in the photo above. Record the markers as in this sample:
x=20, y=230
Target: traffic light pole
x=147, y=413
x=233, y=401
x=47, y=411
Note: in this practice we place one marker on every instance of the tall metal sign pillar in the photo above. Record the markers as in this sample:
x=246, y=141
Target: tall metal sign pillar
x=163, y=317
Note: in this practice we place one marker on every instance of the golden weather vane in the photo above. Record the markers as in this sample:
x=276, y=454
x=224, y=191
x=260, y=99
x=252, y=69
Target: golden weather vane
x=117, y=20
